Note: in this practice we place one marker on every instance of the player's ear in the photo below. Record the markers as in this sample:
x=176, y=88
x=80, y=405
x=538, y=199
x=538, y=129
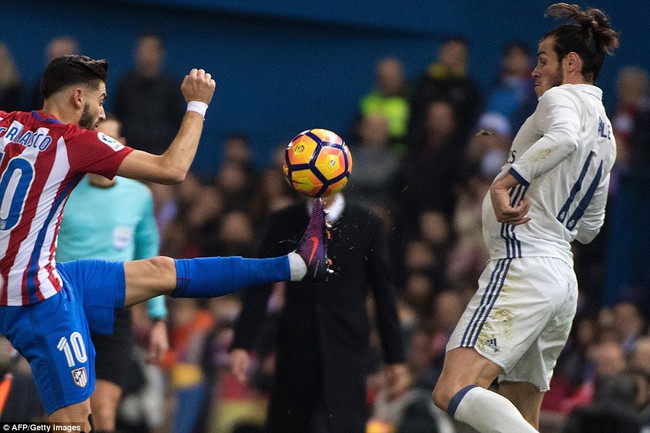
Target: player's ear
x=573, y=62
x=77, y=97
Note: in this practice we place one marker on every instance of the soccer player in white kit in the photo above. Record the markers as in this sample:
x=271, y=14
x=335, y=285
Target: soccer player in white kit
x=551, y=191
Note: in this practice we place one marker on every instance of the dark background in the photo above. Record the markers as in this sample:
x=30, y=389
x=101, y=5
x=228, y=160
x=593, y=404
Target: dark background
x=286, y=66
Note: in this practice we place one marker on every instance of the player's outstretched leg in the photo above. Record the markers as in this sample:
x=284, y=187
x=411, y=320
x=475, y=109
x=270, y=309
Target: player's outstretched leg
x=207, y=277
x=312, y=248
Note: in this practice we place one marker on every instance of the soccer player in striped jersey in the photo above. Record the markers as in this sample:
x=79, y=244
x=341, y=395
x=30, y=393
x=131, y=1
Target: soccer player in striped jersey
x=551, y=191
x=47, y=310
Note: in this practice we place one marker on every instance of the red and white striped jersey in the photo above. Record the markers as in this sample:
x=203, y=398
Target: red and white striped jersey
x=41, y=161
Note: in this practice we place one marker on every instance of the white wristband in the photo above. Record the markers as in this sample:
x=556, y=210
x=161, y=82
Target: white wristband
x=197, y=106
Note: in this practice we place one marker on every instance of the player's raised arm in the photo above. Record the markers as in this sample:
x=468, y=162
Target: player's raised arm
x=172, y=166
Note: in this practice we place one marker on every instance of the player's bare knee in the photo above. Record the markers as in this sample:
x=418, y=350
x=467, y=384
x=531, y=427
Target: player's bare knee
x=162, y=266
x=441, y=396
x=437, y=399
x=148, y=278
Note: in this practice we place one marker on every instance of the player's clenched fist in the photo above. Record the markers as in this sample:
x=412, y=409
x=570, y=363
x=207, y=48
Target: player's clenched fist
x=198, y=85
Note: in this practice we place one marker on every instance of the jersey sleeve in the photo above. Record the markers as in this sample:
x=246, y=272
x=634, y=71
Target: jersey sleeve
x=594, y=217
x=95, y=152
x=558, y=116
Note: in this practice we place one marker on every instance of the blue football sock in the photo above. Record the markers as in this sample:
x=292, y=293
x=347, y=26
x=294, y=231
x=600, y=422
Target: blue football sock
x=207, y=277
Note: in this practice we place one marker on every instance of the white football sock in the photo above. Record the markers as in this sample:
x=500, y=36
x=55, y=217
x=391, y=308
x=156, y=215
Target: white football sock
x=489, y=412
x=297, y=266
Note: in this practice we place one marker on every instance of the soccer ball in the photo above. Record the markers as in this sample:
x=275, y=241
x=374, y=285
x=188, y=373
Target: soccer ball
x=317, y=163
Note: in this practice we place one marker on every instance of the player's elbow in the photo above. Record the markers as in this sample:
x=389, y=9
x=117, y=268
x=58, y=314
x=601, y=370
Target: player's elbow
x=170, y=174
x=589, y=227
x=584, y=240
x=175, y=176
x=586, y=236
x=167, y=178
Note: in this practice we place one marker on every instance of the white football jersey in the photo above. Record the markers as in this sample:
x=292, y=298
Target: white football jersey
x=562, y=156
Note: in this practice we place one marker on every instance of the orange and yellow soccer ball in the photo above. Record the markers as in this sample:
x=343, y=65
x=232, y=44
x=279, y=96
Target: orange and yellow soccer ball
x=317, y=163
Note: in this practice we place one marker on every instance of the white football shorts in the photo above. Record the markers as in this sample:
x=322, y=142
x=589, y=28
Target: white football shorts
x=520, y=317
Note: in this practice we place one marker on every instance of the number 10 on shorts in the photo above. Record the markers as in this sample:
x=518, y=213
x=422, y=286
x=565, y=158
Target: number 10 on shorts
x=74, y=346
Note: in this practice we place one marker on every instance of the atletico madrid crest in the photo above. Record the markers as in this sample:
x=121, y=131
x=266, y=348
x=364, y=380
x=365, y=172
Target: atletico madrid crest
x=80, y=377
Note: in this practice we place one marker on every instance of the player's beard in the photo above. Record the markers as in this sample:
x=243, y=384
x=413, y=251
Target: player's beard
x=87, y=120
x=557, y=80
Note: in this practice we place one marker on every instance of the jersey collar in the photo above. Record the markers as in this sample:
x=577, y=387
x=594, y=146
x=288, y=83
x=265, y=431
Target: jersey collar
x=591, y=90
x=40, y=115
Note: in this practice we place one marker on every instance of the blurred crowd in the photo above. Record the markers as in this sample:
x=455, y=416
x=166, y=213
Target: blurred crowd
x=425, y=151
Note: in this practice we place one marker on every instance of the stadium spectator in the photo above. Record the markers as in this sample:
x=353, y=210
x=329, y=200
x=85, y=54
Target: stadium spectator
x=190, y=324
x=237, y=184
x=631, y=97
x=146, y=96
x=389, y=98
x=487, y=150
x=640, y=356
x=11, y=83
x=513, y=95
x=410, y=411
x=629, y=324
x=237, y=149
x=374, y=166
x=427, y=179
x=237, y=175
x=236, y=234
x=56, y=47
x=613, y=406
x=445, y=79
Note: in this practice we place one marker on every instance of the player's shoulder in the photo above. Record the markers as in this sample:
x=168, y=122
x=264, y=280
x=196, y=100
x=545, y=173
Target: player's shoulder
x=5, y=118
x=74, y=134
x=559, y=92
x=566, y=95
x=574, y=92
x=10, y=116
